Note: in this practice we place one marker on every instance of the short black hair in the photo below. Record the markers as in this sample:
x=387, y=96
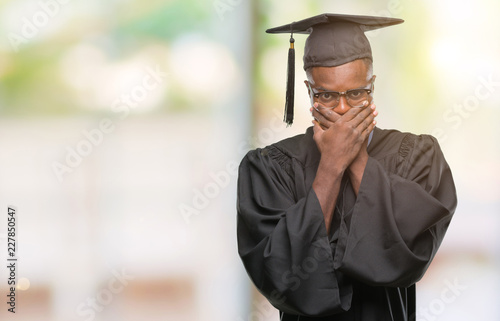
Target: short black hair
x=368, y=63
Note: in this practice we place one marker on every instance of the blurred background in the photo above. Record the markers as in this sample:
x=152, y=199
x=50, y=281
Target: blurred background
x=122, y=124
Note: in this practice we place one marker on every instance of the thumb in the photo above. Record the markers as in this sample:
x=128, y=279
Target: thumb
x=317, y=127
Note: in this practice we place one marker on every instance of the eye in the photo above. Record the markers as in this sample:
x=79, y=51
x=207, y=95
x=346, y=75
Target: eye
x=326, y=96
x=356, y=94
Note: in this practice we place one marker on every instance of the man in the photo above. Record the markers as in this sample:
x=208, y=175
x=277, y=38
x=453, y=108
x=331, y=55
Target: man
x=341, y=222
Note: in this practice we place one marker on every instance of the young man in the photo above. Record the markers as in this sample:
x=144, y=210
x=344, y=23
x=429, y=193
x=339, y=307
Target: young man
x=340, y=222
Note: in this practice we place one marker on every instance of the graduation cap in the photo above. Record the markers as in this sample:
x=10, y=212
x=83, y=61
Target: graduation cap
x=334, y=39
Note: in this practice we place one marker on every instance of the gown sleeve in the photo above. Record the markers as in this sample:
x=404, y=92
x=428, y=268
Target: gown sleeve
x=399, y=218
x=283, y=242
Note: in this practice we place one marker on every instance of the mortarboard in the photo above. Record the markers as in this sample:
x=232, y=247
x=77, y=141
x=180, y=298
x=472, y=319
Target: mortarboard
x=334, y=39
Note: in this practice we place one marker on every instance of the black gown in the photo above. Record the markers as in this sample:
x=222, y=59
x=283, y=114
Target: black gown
x=381, y=241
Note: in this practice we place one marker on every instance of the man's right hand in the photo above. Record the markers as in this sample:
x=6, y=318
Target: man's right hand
x=340, y=137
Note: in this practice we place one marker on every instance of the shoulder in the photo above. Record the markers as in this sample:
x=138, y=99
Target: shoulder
x=300, y=148
x=392, y=141
x=400, y=151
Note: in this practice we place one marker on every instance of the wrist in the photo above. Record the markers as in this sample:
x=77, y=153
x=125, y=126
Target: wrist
x=332, y=166
x=358, y=166
x=356, y=171
x=328, y=174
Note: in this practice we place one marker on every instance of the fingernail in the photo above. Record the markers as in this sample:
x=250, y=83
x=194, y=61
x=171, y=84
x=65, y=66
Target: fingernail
x=375, y=113
x=374, y=122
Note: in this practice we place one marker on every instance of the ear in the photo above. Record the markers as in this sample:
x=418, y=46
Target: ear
x=307, y=86
x=373, y=82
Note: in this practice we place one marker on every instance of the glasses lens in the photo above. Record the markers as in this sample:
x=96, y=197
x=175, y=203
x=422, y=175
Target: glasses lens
x=357, y=97
x=328, y=98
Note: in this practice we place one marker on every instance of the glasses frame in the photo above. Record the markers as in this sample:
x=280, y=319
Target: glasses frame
x=342, y=93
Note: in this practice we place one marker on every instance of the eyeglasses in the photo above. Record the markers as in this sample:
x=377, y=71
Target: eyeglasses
x=355, y=97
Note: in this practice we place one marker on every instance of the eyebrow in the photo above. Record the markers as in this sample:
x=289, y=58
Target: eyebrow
x=328, y=90
x=319, y=88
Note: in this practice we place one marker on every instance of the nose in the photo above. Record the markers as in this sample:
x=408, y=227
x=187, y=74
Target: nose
x=342, y=107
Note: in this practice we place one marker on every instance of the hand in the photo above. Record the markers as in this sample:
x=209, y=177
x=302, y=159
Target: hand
x=340, y=137
x=326, y=116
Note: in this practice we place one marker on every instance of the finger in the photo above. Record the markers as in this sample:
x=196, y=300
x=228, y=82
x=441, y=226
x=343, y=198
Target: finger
x=324, y=122
x=321, y=125
x=366, y=123
x=353, y=112
x=318, y=112
x=369, y=129
x=317, y=127
x=365, y=116
x=365, y=126
x=326, y=112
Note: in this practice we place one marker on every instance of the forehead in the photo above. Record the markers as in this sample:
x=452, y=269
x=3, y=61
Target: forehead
x=351, y=75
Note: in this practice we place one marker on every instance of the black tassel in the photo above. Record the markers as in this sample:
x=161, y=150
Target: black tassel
x=290, y=83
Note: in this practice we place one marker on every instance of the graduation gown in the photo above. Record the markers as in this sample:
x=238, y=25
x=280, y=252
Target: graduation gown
x=381, y=240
